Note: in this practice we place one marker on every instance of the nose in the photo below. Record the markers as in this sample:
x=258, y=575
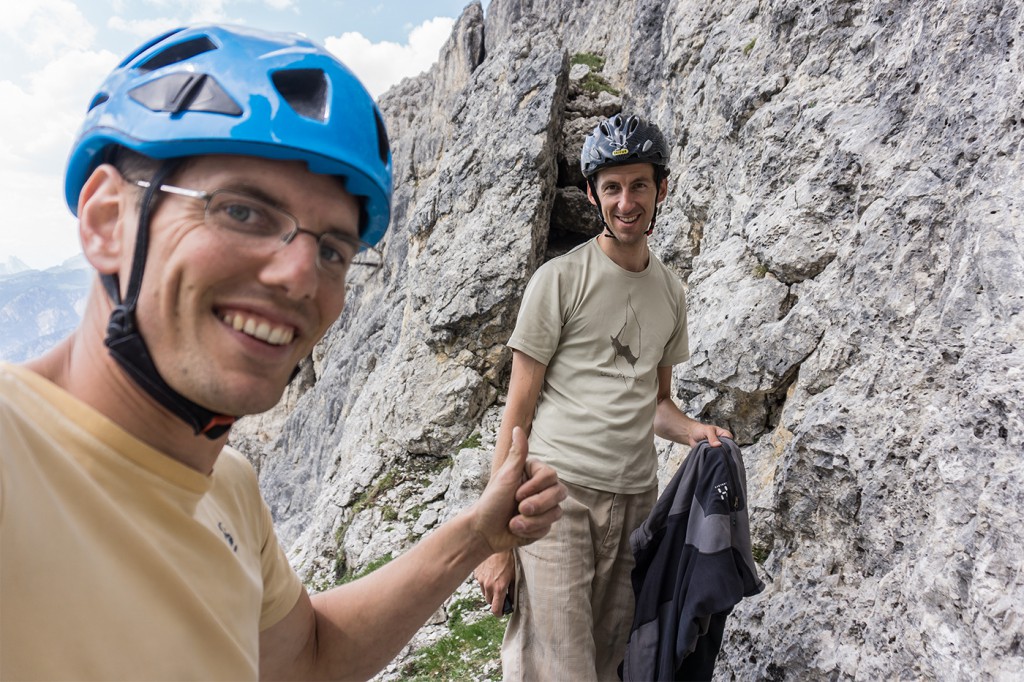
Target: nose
x=293, y=267
x=627, y=198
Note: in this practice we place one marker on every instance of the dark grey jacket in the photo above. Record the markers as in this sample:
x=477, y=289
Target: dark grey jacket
x=693, y=560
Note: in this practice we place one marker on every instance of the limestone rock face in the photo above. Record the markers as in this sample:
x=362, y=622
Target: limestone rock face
x=846, y=207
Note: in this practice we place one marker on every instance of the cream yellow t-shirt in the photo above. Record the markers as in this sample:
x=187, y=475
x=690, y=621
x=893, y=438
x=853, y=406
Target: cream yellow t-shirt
x=603, y=332
x=118, y=562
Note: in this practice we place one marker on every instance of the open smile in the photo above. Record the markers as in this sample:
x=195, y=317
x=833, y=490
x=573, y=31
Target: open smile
x=259, y=328
x=629, y=220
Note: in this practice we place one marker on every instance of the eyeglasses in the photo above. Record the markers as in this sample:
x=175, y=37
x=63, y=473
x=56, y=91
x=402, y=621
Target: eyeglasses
x=264, y=228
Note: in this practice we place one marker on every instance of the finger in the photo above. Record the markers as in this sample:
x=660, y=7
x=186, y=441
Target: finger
x=519, y=448
x=535, y=526
x=516, y=459
x=496, y=602
x=539, y=477
x=543, y=500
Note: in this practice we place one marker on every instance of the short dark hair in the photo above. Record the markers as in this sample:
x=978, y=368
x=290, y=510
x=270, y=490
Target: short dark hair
x=131, y=164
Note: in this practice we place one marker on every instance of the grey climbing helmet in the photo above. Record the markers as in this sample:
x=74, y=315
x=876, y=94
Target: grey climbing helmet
x=624, y=139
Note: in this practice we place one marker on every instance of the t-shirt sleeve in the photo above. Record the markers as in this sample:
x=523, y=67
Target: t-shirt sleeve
x=281, y=585
x=677, y=350
x=539, y=325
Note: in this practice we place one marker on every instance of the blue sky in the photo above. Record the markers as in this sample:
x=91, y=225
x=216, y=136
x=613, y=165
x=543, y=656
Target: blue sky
x=55, y=53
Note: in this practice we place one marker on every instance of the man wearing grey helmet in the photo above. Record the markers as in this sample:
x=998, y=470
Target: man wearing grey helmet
x=598, y=333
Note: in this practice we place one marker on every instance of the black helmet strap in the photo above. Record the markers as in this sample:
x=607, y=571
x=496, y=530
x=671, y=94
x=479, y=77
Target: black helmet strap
x=126, y=344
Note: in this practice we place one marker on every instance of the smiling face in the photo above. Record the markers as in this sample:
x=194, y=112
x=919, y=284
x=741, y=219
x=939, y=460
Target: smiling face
x=628, y=195
x=226, y=324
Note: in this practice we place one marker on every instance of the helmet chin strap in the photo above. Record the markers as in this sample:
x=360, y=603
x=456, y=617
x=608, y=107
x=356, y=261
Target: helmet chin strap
x=126, y=344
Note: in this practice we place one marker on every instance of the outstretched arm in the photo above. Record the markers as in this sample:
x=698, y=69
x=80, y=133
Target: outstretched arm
x=354, y=630
x=672, y=424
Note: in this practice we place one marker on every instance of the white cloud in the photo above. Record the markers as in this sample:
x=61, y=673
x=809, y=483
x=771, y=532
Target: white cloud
x=42, y=29
x=50, y=69
x=37, y=125
x=172, y=14
x=39, y=119
x=50, y=72
x=38, y=228
x=143, y=28
x=381, y=65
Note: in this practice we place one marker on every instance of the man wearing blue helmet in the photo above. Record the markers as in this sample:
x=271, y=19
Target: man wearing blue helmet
x=225, y=181
x=598, y=332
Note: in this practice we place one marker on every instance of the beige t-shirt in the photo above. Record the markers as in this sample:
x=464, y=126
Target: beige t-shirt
x=603, y=332
x=118, y=562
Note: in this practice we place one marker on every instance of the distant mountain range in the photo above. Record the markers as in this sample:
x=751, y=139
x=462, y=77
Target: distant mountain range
x=38, y=308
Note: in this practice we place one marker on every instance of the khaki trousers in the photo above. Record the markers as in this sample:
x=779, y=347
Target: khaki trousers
x=574, y=600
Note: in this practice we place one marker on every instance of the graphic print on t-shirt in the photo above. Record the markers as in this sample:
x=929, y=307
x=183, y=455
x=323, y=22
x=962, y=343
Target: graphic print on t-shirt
x=627, y=344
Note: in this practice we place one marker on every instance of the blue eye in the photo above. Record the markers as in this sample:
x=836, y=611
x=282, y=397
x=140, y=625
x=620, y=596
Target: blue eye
x=238, y=212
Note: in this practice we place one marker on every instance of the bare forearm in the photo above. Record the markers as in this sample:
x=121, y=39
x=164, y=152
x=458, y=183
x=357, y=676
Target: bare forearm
x=524, y=387
x=671, y=423
x=364, y=625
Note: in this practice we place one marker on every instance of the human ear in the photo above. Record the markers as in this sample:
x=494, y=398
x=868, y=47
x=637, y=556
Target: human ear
x=590, y=194
x=662, y=190
x=102, y=207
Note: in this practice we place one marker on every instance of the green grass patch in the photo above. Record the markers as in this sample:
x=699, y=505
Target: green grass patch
x=594, y=82
x=367, y=499
x=594, y=61
x=464, y=651
x=370, y=568
x=471, y=443
x=374, y=492
x=414, y=513
x=749, y=46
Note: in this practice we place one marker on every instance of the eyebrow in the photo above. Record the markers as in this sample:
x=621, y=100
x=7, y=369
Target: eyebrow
x=617, y=183
x=257, y=192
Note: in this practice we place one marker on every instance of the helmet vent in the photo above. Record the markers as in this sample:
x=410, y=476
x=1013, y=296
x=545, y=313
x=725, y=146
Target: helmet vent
x=99, y=99
x=305, y=90
x=178, y=53
x=383, y=145
x=179, y=92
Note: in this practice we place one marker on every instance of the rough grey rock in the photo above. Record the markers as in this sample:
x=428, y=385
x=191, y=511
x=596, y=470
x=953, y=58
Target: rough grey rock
x=845, y=208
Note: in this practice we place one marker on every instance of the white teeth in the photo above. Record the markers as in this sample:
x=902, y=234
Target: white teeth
x=276, y=336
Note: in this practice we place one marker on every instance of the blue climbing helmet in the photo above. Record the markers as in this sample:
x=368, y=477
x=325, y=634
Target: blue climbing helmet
x=226, y=90
x=235, y=90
